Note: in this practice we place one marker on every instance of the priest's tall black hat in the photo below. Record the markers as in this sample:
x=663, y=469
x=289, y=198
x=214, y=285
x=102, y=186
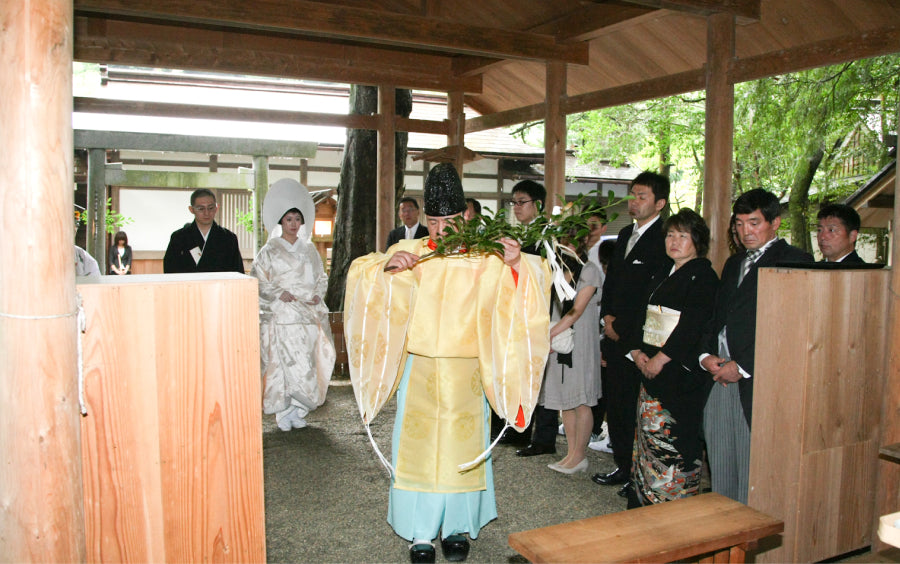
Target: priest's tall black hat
x=443, y=191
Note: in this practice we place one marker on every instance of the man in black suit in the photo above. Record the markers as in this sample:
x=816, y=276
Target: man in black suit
x=729, y=342
x=836, y=233
x=202, y=245
x=639, y=253
x=408, y=211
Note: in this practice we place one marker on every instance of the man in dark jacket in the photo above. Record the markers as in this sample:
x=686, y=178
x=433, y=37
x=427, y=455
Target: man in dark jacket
x=729, y=341
x=836, y=233
x=202, y=245
x=639, y=253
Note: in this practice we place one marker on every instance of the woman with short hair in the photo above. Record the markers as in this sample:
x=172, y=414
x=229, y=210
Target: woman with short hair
x=667, y=448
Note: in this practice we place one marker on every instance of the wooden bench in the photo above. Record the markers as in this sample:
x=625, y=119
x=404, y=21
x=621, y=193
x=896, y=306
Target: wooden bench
x=708, y=525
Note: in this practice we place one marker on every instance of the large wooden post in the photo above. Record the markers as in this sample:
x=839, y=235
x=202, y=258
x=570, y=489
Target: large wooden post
x=42, y=515
x=555, y=136
x=260, y=188
x=96, y=207
x=456, y=135
x=719, y=135
x=887, y=498
x=387, y=102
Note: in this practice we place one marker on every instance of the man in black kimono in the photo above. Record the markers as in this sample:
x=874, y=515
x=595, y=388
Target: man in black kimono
x=203, y=245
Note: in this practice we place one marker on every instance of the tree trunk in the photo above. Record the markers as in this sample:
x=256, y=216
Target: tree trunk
x=798, y=201
x=354, y=226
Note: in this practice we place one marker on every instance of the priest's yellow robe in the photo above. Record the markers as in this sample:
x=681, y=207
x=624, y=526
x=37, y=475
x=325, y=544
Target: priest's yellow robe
x=462, y=329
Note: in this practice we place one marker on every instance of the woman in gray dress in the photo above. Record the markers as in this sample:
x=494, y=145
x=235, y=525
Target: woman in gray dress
x=572, y=382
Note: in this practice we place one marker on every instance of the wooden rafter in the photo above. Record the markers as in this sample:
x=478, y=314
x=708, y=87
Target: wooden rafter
x=882, y=41
x=745, y=9
x=165, y=109
x=348, y=24
x=141, y=44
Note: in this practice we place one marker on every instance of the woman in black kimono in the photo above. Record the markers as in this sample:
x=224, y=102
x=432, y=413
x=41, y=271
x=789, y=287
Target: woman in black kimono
x=667, y=448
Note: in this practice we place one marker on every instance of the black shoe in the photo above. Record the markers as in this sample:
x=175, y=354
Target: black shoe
x=534, y=450
x=627, y=490
x=421, y=553
x=455, y=548
x=511, y=437
x=617, y=476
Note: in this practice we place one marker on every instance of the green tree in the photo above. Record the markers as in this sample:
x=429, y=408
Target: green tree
x=667, y=132
x=793, y=134
x=354, y=228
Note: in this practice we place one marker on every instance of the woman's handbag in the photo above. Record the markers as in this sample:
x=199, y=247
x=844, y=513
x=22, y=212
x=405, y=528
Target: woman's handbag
x=564, y=342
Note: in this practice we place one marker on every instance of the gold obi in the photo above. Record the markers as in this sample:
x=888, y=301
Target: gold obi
x=660, y=323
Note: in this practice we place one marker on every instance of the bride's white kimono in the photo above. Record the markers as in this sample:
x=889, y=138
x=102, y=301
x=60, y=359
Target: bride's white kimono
x=296, y=345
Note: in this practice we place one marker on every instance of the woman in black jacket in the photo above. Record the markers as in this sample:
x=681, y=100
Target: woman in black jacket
x=119, y=255
x=667, y=447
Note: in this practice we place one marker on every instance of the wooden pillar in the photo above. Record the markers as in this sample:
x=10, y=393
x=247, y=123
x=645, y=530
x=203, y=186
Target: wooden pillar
x=717, y=170
x=887, y=497
x=96, y=206
x=555, y=136
x=42, y=515
x=304, y=172
x=260, y=188
x=456, y=134
x=387, y=104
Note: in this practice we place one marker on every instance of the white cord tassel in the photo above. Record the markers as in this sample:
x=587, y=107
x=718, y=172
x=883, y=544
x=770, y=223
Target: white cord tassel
x=381, y=457
x=484, y=455
x=563, y=288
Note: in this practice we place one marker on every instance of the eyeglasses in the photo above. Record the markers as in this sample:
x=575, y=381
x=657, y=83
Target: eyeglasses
x=519, y=203
x=204, y=209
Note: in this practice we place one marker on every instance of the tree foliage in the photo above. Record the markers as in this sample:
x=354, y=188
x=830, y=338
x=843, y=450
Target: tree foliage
x=794, y=134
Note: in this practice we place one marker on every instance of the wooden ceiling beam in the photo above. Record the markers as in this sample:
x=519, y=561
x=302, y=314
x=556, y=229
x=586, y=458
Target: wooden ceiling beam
x=590, y=21
x=650, y=89
x=744, y=9
x=194, y=111
x=344, y=23
x=873, y=43
x=149, y=45
x=660, y=87
x=586, y=23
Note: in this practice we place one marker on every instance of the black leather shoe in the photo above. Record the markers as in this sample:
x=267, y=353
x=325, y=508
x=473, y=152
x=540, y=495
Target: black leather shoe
x=511, y=437
x=617, y=476
x=455, y=548
x=421, y=553
x=534, y=450
x=627, y=490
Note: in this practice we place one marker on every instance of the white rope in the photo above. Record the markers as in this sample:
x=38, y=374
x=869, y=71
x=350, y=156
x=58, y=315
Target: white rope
x=81, y=324
x=381, y=457
x=56, y=316
x=487, y=451
x=563, y=288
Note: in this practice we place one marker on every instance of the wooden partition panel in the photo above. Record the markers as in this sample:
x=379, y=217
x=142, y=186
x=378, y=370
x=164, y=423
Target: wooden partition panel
x=172, y=442
x=820, y=344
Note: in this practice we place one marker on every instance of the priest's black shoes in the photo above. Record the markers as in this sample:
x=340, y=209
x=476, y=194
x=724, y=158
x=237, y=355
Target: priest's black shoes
x=627, y=490
x=455, y=548
x=421, y=553
x=534, y=450
x=617, y=476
